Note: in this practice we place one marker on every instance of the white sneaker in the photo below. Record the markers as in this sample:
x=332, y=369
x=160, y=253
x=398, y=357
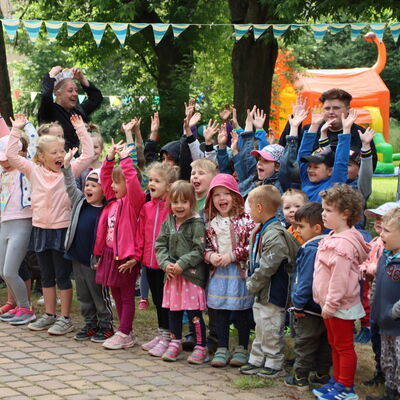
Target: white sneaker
x=61, y=326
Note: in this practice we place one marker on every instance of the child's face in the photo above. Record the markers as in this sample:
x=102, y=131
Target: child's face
x=307, y=231
x=6, y=166
x=93, y=192
x=182, y=210
x=119, y=188
x=265, y=168
x=318, y=172
x=290, y=204
x=333, y=218
x=57, y=131
x=352, y=170
x=97, y=148
x=378, y=224
x=222, y=200
x=333, y=110
x=158, y=186
x=391, y=237
x=166, y=158
x=255, y=210
x=52, y=158
x=200, y=179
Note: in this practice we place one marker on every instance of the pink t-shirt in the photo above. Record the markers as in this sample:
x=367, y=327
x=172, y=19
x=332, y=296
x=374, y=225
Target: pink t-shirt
x=111, y=224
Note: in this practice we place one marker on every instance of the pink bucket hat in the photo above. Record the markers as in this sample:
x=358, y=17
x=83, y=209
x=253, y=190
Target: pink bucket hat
x=3, y=147
x=272, y=152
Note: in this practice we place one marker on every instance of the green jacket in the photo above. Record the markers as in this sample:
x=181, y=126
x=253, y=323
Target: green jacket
x=185, y=247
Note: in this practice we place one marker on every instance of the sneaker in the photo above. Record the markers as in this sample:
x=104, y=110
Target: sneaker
x=6, y=317
x=240, y=357
x=119, y=341
x=189, y=342
x=320, y=380
x=249, y=369
x=43, y=323
x=143, y=304
x=160, y=348
x=102, y=335
x=296, y=382
x=364, y=335
x=221, y=357
x=339, y=392
x=378, y=379
x=173, y=351
x=199, y=355
x=267, y=372
x=152, y=343
x=61, y=326
x=6, y=308
x=86, y=332
x=23, y=316
x=324, y=389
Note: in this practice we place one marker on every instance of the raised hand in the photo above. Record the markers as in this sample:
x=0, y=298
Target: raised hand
x=128, y=266
x=55, y=71
x=19, y=122
x=78, y=74
x=194, y=120
x=210, y=131
x=348, y=121
x=225, y=113
x=366, y=138
x=317, y=116
x=259, y=119
x=249, y=119
x=127, y=127
x=69, y=156
x=190, y=106
x=271, y=137
x=77, y=121
x=123, y=151
x=114, y=148
x=234, y=120
x=235, y=143
x=222, y=137
x=298, y=117
x=301, y=104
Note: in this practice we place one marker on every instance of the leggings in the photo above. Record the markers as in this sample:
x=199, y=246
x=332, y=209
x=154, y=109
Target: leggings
x=242, y=323
x=14, y=241
x=196, y=316
x=155, y=278
x=144, y=284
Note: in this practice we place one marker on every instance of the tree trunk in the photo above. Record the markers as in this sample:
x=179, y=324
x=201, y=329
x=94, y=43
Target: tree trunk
x=6, y=109
x=253, y=62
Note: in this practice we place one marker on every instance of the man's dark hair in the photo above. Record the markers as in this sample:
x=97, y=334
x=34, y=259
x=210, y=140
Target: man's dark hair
x=311, y=213
x=336, y=94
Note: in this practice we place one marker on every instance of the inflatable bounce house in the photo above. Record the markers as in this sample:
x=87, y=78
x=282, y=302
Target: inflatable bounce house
x=371, y=97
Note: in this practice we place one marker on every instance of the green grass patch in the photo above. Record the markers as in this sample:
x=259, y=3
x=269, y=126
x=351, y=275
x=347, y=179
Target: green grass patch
x=251, y=382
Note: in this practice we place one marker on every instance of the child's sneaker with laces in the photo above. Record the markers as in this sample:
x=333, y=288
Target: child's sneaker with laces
x=299, y=383
x=319, y=380
x=152, y=343
x=199, y=355
x=268, y=372
x=6, y=317
x=43, y=323
x=23, y=316
x=6, y=308
x=249, y=369
x=119, y=341
x=61, y=326
x=160, y=348
x=102, y=334
x=143, y=304
x=324, y=389
x=339, y=392
x=173, y=351
x=86, y=332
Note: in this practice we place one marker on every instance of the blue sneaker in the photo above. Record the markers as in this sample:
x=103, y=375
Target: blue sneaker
x=324, y=389
x=339, y=392
x=364, y=335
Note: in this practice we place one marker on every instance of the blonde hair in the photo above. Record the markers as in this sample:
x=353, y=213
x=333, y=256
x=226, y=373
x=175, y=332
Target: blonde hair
x=170, y=174
x=268, y=196
x=41, y=144
x=185, y=191
x=206, y=164
x=295, y=192
x=118, y=176
x=392, y=217
x=44, y=129
x=97, y=135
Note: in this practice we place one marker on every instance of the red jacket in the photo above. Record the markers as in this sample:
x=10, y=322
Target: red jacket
x=127, y=215
x=151, y=217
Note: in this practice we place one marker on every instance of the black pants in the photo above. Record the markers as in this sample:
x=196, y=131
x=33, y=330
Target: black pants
x=376, y=345
x=196, y=317
x=155, y=278
x=55, y=269
x=242, y=323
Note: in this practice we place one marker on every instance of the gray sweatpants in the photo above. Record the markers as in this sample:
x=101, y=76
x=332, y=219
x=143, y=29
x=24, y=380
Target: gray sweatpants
x=14, y=241
x=390, y=361
x=94, y=299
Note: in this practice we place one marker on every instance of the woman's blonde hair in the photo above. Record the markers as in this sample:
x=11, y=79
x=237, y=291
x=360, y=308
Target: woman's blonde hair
x=42, y=142
x=182, y=190
x=170, y=174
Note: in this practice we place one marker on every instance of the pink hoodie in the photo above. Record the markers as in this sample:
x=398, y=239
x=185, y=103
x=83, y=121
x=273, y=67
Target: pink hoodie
x=336, y=273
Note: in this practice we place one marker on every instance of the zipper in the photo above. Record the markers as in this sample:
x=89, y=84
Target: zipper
x=154, y=235
x=116, y=230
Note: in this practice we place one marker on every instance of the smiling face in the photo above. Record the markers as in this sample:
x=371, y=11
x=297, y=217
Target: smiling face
x=67, y=94
x=182, y=209
x=333, y=110
x=265, y=168
x=97, y=148
x=318, y=171
x=158, y=185
x=52, y=156
x=222, y=200
x=200, y=179
x=93, y=191
x=290, y=204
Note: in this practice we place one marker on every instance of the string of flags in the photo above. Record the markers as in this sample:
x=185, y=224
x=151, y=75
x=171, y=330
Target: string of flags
x=122, y=30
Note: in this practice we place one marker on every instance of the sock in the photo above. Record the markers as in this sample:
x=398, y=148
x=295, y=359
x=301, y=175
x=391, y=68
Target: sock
x=67, y=318
x=51, y=315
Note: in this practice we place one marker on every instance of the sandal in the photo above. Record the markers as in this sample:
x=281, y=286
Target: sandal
x=6, y=308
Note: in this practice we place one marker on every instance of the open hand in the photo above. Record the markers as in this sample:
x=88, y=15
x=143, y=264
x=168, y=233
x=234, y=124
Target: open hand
x=190, y=106
x=210, y=131
x=249, y=119
x=77, y=121
x=270, y=135
x=234, y=143
x=348, y=121
x=225, y=113
x=259, y=119
x=69, y=156
x=114, y=148
x=366, y=138
x=222, y=137
x=297, y=117
x=234, y=120
x=124, y=151
x=317, y=116
x=301, y=104
x=19, y=122
x=55, y=71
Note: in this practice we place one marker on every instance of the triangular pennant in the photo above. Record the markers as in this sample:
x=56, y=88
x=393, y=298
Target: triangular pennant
x=81, y=98
x=378, y=30
x=336, y=28
x=395, y=30
x=4, y=129
x=120, y=31
x=177, y=29
x=97, y=29
x=279, y=29
x=33, y=96
x=11, y=26
x=127, y=100
x=53, y=28
x=17, y=93
x=73, y=27
x=32, y=28
x=141, y=98
x=135, y=28
x=115, y=101
x=259, y=30
x=159, y=30
x=293, y=27
x=356, y=29
x=319, y=31
x=241, y=30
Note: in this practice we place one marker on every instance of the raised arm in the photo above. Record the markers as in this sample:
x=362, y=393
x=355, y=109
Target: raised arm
x=73, y=192
x=366, y=167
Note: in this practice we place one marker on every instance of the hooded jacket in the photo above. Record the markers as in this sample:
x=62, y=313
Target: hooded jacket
x=336, y=275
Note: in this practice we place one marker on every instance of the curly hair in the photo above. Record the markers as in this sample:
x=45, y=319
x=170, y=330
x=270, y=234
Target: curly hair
x=236, y=209
x=346, y=200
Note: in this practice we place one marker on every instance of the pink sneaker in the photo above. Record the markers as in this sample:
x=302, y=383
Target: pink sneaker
x=143, y=304
x=160, y=348
x=119, y=341
x=199, y=355
x=173, y=351
x=153, y=342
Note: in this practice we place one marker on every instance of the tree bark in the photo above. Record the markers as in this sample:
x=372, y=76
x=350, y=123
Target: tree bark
x=6, y=109
x=253, y=62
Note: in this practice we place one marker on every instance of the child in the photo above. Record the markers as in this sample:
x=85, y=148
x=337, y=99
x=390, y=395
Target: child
x=311, y=342
x=151, y=217
x=386, y=304
x=292, y=200
x=51, y=211
x=116, y=240
x=94, y=299
x=228, y=231
x=52, y=128
x=180, y=249
x=336, y=285
x=272, y=252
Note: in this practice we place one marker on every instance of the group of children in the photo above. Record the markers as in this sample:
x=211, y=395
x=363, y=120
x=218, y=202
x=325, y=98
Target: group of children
x=227, y=240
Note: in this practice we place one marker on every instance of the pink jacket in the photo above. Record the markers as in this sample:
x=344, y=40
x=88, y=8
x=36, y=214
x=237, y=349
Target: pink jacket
x=51, y=207
x=151, y=217
x=124, y=243
x=336, y=272
x=371, y=263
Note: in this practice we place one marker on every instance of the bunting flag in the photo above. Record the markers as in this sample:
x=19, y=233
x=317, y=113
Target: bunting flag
x=319, y=31
x=177, y=29
x=120, y=30
x=336, y=28
x=135, y=28
x=356, y=30
x=293, y=27
x=33, y=96
x=395, y=30
x=141, y=98
x=115, y=101
x=259, y=30
x=127, y=100
x=241, y=30
x=279, y=29
x=81, y=98
x=17, y=93
x=73, y=27
x=159, y=30
x=97, y=29
x=32, y=29
x=378, y=29
x=53, y=28
x=11, y=26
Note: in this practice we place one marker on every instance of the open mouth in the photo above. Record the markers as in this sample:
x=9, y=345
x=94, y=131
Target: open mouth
x=196, y=184
x=59, y=164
